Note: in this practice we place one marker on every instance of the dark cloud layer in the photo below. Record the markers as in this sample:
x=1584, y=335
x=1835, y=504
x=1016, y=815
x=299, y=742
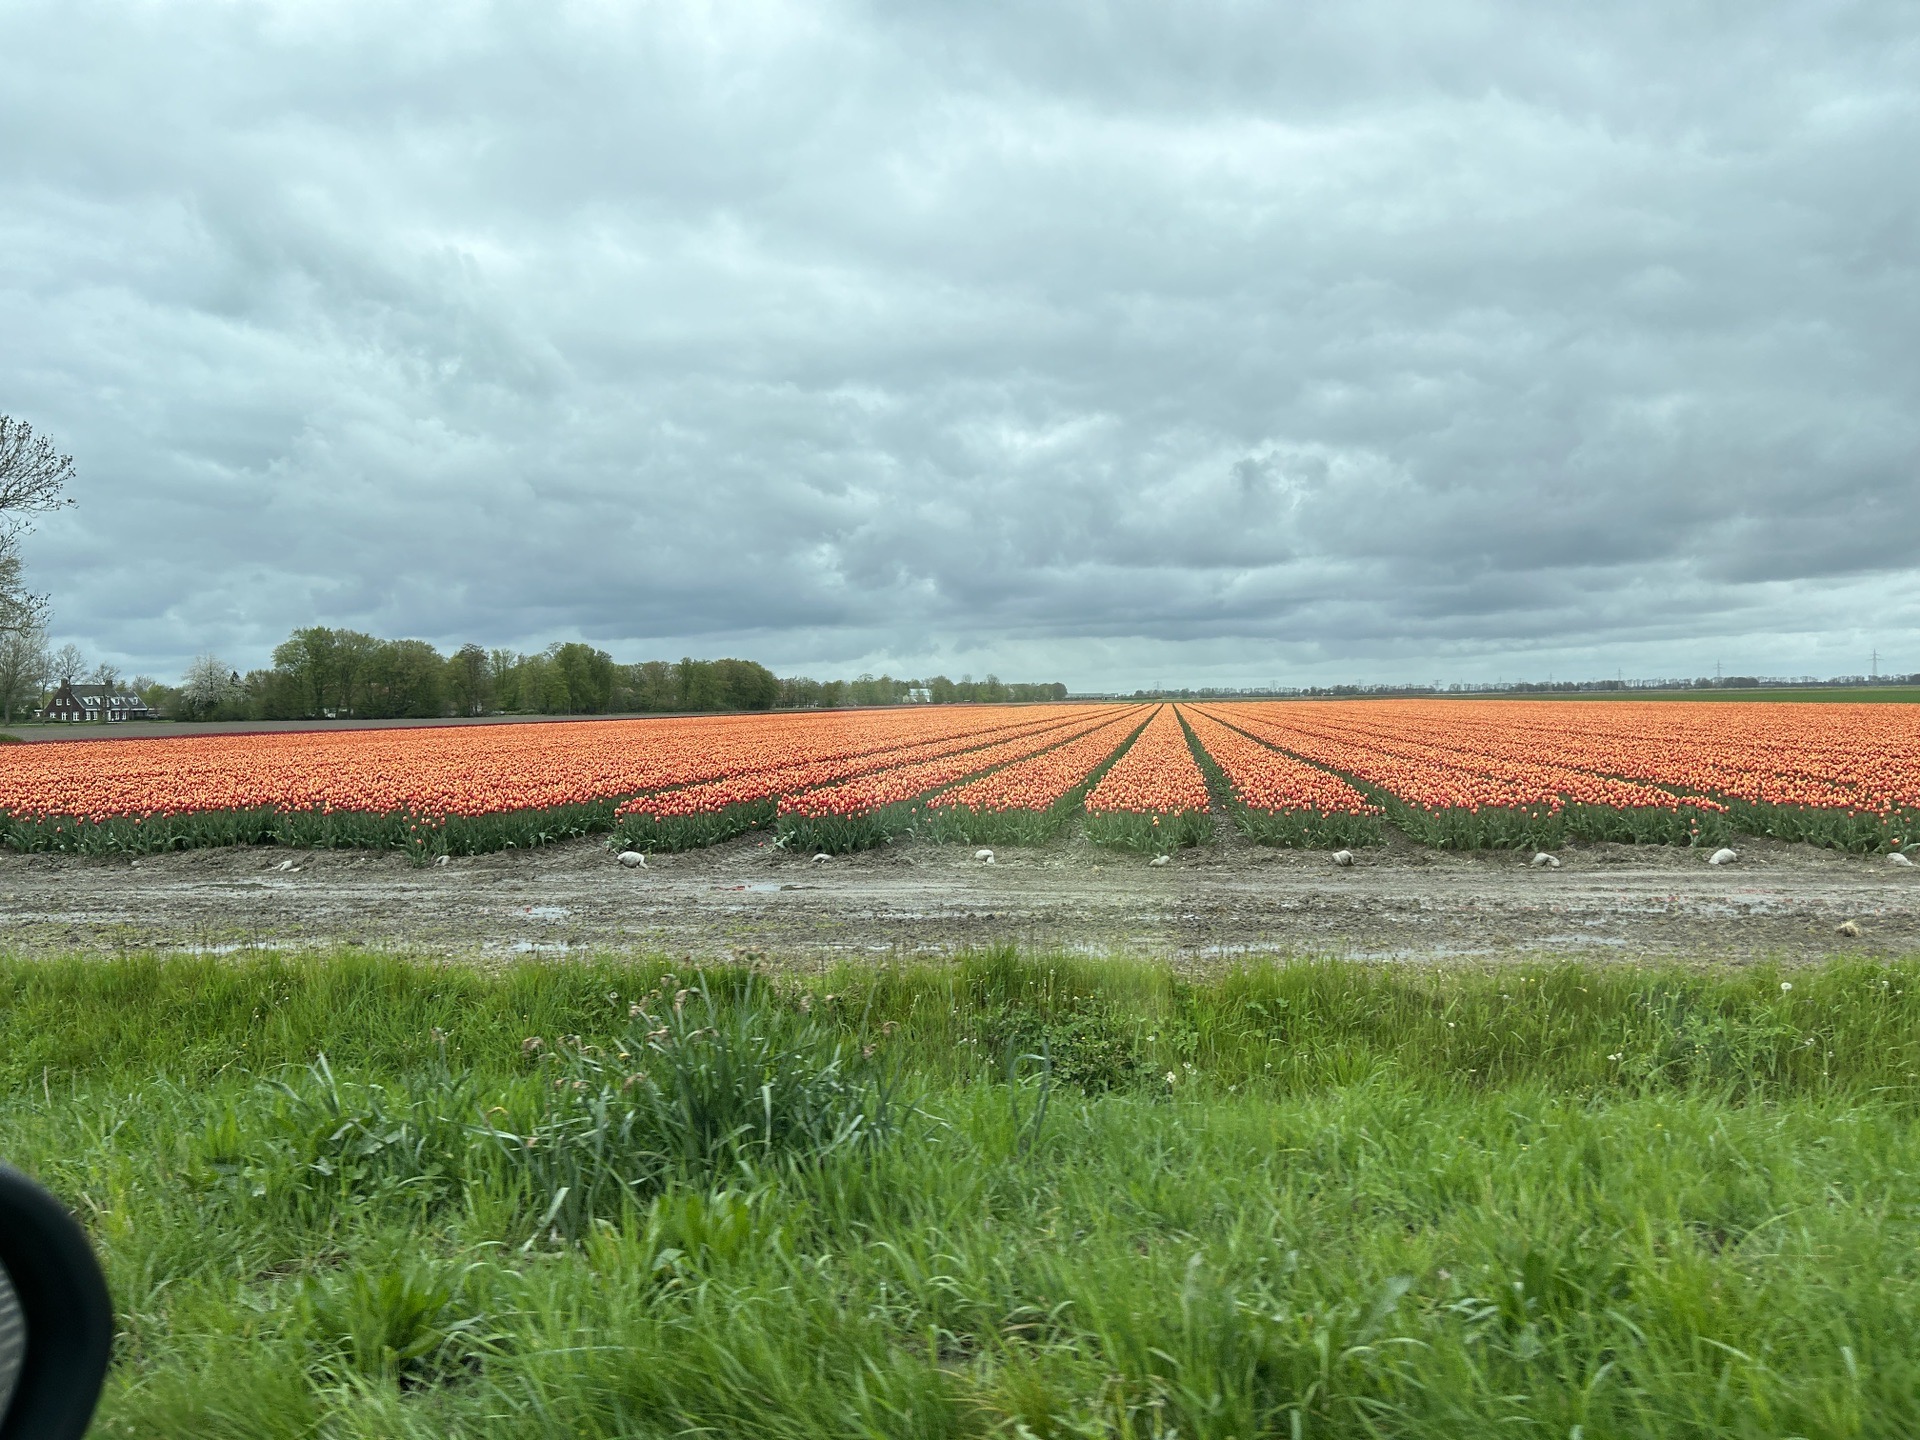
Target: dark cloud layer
x=1124, y=343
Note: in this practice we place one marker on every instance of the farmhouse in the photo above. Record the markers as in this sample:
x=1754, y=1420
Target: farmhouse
x=95, y=702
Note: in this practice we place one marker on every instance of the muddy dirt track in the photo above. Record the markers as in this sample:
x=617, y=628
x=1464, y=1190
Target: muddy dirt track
x=1205, y=906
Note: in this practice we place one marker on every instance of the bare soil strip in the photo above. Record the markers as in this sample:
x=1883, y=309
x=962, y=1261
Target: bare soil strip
x=1398, y=902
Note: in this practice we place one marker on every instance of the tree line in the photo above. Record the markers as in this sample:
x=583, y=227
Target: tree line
x=320, y=672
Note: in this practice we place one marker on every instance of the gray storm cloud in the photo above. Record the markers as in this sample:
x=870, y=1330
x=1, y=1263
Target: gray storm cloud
x=1114, y=343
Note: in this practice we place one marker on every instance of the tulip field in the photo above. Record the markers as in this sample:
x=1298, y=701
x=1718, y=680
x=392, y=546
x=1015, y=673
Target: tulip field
x=1146, y=777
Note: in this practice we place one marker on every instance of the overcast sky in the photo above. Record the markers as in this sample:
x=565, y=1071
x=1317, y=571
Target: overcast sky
x=1121, y=344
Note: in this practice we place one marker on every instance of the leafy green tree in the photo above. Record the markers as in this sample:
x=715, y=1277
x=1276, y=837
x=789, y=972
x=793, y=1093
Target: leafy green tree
x=273, y=695
x=744, y=685
x=310, y=659
x=402, y=679
x=555, y=697
x=590, y=677
x=651, y=687
x=504, y=672
x=469, y=680
x=355, y=654
x=699, y=685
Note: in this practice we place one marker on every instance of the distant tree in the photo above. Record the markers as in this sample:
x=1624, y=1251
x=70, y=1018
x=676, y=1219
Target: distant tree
x=401, y=679
x=699, y=685
x=798, y=692
x=310, y=659
x=651, y=687
x=268, y=695
x=23, y=669
x=590, y=677
x=503, y=671
x=329, y=667
x=206, y=688
x=744, y=685
x=469, y=680
x=548, y=682
x=66, y=663
x=108, y=674
x=355, y=655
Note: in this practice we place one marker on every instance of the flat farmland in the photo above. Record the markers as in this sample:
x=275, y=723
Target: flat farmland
x=1195, y=831
x=1347, y=1070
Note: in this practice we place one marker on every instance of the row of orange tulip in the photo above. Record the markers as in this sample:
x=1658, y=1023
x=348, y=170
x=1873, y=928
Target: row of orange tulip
x=779, y=781
x=1264, y=779
x=464, y=770
x=896, y=785
x=1383, y=746
x=1043, y=781
x=1828, y=755
x=1157, y=775
x=1660, y=764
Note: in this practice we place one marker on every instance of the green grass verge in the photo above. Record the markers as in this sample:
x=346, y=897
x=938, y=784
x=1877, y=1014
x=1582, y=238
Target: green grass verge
x=1080, y=1198
x=1008, y=1197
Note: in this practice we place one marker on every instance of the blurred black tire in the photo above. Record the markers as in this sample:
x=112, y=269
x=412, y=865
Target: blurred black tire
x=63, y=1309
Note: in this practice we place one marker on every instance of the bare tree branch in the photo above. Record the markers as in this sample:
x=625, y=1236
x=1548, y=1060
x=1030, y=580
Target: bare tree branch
x=33, y=475
x=33, y=479
x=20, y=609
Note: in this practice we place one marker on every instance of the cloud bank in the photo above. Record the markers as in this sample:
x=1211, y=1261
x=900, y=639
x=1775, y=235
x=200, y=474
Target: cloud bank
x=1116, y=343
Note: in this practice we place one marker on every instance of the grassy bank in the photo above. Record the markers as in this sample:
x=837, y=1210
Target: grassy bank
x=1074, y=1197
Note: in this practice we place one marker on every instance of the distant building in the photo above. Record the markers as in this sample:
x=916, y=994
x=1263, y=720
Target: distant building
x=73, y=702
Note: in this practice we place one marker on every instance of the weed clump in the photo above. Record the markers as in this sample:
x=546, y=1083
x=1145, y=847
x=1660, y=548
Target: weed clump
x=696, y=1088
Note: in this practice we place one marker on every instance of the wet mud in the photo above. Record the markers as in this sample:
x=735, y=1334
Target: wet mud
x=1203, y=908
